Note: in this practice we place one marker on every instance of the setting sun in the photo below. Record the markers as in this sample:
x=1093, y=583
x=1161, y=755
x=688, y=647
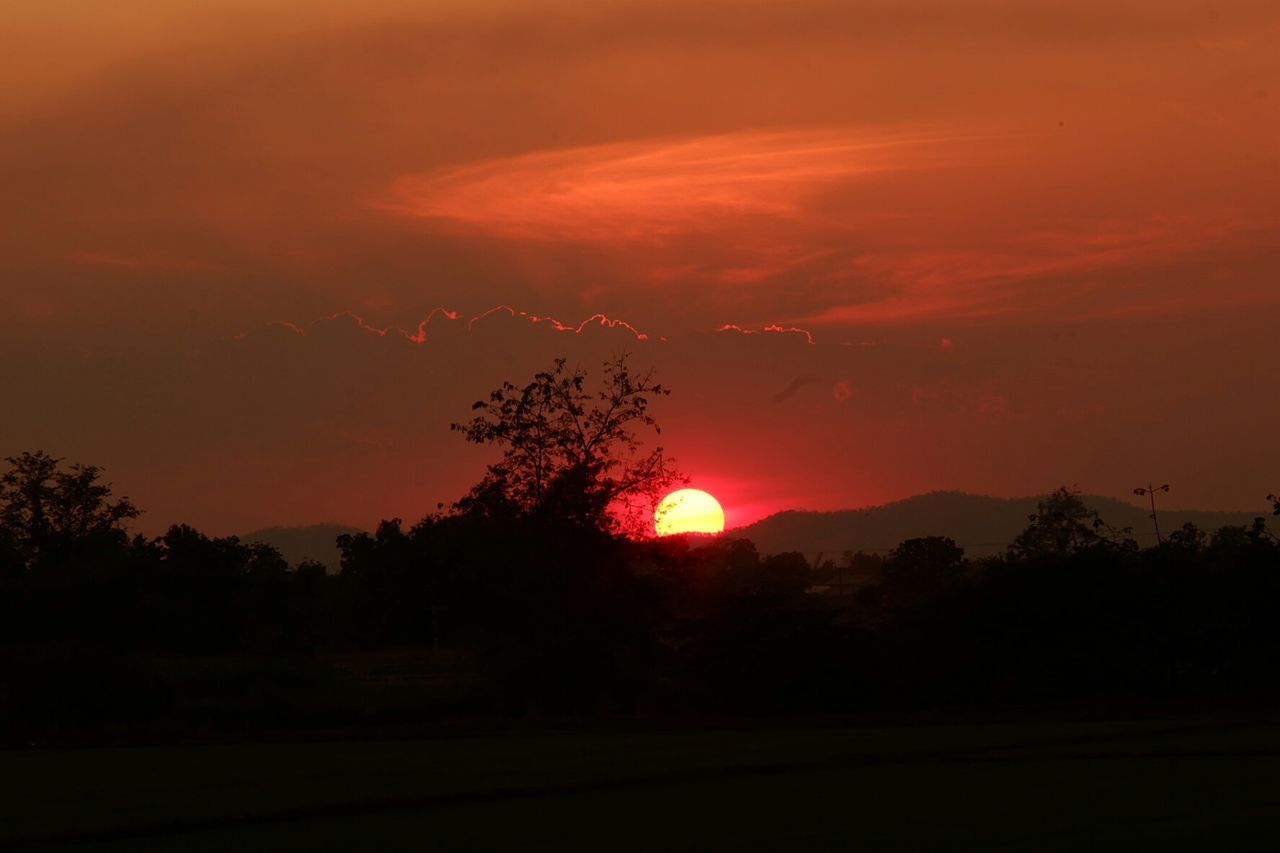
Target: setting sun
x=688, y=511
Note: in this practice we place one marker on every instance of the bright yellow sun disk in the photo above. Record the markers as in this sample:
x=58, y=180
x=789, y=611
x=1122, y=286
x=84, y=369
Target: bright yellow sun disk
x=688, y=511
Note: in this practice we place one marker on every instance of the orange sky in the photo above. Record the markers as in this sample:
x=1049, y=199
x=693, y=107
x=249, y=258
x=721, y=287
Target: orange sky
x=1080, y=198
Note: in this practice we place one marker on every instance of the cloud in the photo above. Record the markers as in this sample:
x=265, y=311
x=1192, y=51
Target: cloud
x=846, y=225
x=681, y=165
x=344, y=419
x=652, y=190
x=131, y=262
x=1081, y=195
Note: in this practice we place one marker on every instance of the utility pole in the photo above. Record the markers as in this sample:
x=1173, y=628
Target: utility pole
x=1150, y=491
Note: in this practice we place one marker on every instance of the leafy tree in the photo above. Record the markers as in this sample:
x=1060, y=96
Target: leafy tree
x=264, y=561
x=1187, y=539
x=1063, y=525
x=363, y=553
x=1260, y=524
x=571, y=452
x=1238, y=540
x=927, y=554
x=919, y=569
x=44, y=505
x=189, y=552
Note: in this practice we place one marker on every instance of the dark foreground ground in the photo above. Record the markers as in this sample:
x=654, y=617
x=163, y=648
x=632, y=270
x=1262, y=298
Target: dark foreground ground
x=1185, y=784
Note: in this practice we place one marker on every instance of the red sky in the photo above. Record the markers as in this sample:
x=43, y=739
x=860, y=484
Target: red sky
x=1029, y=243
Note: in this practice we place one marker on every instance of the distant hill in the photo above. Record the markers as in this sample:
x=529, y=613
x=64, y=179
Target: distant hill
x=314, y=542
x=982, y=525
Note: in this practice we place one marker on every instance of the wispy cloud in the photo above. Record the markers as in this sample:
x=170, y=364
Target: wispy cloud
x=139, y=262
x=844, y=224
x=656, y=189
x=421, y=333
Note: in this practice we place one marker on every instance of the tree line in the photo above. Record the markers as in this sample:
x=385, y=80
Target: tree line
x=542, y=598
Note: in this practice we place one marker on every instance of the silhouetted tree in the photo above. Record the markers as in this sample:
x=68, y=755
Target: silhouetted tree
x=570, y=452
x=919, y=569
x=926, y=555
x=1236, y=540
x=1063, y=525
x=761, y=642
x=392, y=582
x=188, y=552
x=1261, y=523
x=216, y=594
x=44, y=506
x=1187, y=539
x=534, y=604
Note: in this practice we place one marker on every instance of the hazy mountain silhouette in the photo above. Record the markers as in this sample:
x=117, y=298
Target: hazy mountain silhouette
x=313, y=542
x=981, y=524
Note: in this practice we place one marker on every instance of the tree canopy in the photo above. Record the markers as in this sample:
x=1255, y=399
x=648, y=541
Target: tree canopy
x=1063, y=525
x=570, y=451
x=45, y=504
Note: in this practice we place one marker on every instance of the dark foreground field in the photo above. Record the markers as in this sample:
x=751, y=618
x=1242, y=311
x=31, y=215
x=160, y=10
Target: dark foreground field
x=1187, y=784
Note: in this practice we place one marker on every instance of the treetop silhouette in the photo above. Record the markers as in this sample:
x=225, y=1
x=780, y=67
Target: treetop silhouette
x=572, y=452
x=1063, y=524
x=43, y=503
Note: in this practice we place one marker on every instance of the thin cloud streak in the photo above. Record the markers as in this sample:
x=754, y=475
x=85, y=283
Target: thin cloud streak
x=651, y=190
x=1014, y=280
x=419, y=335
x=858, y=225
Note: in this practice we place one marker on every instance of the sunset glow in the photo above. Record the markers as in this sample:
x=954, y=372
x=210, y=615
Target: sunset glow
x=874, y=249
x=356, y=358
x=688, y=511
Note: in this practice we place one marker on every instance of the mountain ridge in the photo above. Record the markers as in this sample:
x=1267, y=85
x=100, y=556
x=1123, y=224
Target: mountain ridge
x=979, y=523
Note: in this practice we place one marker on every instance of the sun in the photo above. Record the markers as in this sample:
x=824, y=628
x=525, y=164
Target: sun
x=688, y=511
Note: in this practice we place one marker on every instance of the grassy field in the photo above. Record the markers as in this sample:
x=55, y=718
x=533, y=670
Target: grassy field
x=1186, y=784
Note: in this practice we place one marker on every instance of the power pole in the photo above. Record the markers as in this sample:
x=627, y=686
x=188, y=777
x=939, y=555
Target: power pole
x=1150, y=491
